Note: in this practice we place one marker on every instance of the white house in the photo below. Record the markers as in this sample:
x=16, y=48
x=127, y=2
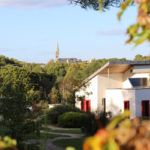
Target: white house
x=118, y=86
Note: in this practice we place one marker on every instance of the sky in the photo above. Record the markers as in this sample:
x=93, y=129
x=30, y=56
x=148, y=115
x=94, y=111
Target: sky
x=30, y=30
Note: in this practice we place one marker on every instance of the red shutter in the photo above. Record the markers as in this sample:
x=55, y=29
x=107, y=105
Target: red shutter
x=84, y=105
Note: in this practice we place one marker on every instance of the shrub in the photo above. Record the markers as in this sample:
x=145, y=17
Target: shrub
x=103, y=120
x=58, y=110
x=92, y=126
x=73, y=119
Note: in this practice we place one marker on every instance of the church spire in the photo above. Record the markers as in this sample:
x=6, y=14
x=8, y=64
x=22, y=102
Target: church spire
x=57, y=52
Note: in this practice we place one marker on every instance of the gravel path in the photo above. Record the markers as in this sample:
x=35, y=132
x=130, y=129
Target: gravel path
x=49, y=142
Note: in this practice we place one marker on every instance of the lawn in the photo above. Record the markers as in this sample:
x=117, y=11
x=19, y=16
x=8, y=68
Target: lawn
x=77, y=143
x=3, y=130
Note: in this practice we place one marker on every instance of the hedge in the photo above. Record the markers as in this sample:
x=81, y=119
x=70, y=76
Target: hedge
x=73, y=120
x=58, y=110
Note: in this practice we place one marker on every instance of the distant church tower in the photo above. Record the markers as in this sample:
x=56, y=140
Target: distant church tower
x=57, y=52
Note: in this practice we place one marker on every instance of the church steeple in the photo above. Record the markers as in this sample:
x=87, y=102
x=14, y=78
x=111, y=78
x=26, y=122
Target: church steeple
x=57, y=52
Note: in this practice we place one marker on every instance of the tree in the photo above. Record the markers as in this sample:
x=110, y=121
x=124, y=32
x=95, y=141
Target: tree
x=37, y=68
x=15, y=99
x=72, y=81
x=6, y=61
x=95, y=4
x=57, y=69
x=55, y=96
x=140, y=31
x=139, y=57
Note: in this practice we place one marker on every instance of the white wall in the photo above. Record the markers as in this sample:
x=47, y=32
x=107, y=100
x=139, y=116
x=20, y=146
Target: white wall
x=126, y=82
x=141, y=94
x=115, y=101
x=104, y=86
x=141, y=69
x=90, y=92
x=141, y=75
x=104, y=82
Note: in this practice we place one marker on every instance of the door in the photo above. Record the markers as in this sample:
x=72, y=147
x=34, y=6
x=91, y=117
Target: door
x=126, y=105
x=145, y=108
x=86, y=105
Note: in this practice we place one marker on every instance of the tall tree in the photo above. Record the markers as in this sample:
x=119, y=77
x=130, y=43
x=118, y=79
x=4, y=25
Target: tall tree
x=55, y=96
x=13, y=98
x=72, y=81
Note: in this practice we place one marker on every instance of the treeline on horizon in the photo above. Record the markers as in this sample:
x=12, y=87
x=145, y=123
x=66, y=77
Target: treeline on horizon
x=54, y=82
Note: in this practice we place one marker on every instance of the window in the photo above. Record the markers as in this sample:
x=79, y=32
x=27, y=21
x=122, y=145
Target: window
x=138, y=81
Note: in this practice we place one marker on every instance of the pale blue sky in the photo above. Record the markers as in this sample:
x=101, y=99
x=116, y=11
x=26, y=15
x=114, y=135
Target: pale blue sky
x=29, y=32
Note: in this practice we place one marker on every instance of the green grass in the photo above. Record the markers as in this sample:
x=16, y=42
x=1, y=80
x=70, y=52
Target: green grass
x=3, y=130
x=77, y=143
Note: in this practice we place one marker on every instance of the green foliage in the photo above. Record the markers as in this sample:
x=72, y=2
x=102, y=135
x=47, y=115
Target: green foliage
x=15, y=100
x=71, y=81
x=37, y=146
x=71, y=144
x=6, y=61
x=57, y=69
x=32, y=67
x=6, y=143
x=73, y=119
x=92, y=126
x=58, y=110
x=85, y=121
x=42, y=84
x=140, y=31
x=123, y=7
x=139, y=57
x=96, y=4
x=55, y=96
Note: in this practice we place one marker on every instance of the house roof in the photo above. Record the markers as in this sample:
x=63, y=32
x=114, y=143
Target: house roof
x=117, y=67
